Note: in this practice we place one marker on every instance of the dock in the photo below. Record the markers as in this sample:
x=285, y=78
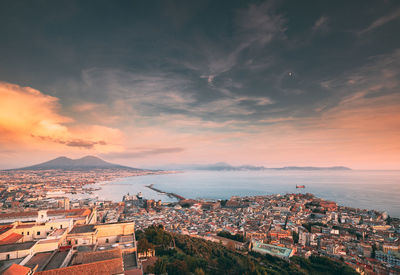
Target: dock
x=169, y=194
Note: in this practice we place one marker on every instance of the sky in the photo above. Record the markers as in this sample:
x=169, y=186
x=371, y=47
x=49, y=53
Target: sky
x=150, y=83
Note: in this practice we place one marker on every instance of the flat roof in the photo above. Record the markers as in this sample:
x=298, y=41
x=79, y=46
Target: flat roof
x=34, y=214
x=95, y=256
x=16, y=246
x=56, y=260
x=39, y=259
x=29, y=225
x=113, y=266
x=58, y=232
x=87, y=228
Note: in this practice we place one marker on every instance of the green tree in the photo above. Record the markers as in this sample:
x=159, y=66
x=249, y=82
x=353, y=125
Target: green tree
x=160, y=267
x=143, y=245
x=177, y=267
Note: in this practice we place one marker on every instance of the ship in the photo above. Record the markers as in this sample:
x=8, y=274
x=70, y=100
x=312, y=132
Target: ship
x=300, y=186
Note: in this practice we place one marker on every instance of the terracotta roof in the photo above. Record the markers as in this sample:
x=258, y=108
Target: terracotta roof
x=16, y=269
x=5, y=228
x=90, y=257
x=114, y=266
x=12, y=238
x=18, y=214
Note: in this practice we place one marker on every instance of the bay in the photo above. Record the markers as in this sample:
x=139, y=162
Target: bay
x=379, y=190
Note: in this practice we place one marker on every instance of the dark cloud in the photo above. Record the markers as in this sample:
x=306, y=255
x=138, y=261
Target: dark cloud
x=150, y=59
x=87, y=144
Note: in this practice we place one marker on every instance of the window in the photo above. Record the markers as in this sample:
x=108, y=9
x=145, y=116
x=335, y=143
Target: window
x=69, y=242
x=22, y=233
x=27, y=233
x=60, y=226
x=38, y=233
x=76, y=241
x=51, y=228
x=8, y=257
x=107, y=241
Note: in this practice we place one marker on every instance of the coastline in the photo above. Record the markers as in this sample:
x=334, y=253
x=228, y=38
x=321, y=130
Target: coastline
x=180, y=198
x=359, y=190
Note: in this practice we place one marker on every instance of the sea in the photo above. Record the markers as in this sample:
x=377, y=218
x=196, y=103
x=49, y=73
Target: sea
x=378, y=190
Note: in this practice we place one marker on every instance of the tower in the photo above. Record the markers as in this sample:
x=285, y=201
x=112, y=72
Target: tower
x=42, y=216
x=66, y=203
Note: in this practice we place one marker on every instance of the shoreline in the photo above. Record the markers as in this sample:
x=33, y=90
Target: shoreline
x=180, y=198
x=328, y=191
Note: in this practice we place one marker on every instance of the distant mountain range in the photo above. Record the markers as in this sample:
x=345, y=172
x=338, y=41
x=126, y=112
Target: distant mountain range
x=222, y=166
x=92, y=162
x=85, y=163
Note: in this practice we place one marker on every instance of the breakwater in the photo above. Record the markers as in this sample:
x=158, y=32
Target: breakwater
x=169, y=194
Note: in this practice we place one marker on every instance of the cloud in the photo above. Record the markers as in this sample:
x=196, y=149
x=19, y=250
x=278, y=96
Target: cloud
x=140, y=95
x=259, y=24
x=142, y=152
x=143, y=91
x=255, y=26
x=380, y=75
x=26, y=110
x=321, y=24
x=31, y=118
x=88, y=144
x=381, y=21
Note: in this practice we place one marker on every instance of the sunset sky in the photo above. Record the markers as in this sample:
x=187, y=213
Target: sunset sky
x=149, y=83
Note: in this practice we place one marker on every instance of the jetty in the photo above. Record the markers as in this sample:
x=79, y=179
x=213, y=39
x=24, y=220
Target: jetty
x=169, y=194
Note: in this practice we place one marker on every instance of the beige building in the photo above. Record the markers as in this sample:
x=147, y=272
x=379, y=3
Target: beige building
x=100, y=234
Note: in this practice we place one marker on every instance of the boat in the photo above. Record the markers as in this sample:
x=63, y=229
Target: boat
x=300, y=186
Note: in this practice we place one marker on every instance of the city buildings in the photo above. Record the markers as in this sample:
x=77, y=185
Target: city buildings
x=72, y=235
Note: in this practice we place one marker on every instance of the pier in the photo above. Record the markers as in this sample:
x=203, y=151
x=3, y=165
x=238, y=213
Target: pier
x=169, y=194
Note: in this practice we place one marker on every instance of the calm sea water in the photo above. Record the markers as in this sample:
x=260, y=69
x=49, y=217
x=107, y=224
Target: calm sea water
x=378, y=190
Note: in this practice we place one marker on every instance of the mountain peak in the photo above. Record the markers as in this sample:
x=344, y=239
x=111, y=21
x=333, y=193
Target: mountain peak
x=84, y=163
x=90, y=157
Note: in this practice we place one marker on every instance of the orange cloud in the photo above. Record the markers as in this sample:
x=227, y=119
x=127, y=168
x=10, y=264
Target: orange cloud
x=32, y=119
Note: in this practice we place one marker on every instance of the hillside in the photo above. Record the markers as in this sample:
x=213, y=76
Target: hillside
x=85, y=163
x=193, y=255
